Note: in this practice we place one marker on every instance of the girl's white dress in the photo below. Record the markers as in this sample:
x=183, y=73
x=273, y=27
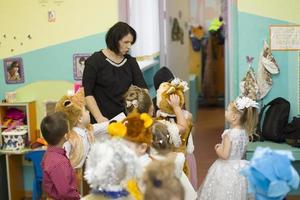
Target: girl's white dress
x=223, y=181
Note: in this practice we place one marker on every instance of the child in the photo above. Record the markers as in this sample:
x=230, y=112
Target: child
x=139, y=99
x=223, y=180
x=135, y=129
x=59, y=180
x=162, y=150
x=82, y=133
x=170, y=100
x=161, y=184
x=111, y=169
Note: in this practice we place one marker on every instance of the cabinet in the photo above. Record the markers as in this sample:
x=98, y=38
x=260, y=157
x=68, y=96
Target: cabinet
x=29, y=108
x=14, y=159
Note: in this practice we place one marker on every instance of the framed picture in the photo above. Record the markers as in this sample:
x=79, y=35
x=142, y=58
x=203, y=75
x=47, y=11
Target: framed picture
x=285, y=37
x=13, y=70
x=79, y=64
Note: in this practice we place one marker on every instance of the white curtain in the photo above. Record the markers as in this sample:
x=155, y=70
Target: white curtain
x=143, y=16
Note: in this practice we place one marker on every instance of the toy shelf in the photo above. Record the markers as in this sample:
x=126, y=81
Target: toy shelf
x=29, y=108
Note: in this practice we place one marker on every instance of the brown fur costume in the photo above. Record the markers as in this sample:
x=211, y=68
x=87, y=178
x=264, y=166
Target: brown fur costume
x=72, y=106
x=163, y=95
x=135, y=127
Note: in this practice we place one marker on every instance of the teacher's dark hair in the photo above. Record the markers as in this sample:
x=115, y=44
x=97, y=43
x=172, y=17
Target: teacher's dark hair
x=116, y=33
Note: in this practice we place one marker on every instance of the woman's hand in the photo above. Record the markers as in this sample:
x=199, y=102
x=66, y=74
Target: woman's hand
x=102, y=119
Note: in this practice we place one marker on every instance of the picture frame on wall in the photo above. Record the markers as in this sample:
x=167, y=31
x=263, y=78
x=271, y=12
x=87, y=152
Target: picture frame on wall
x=79, y=64
x=13, y=70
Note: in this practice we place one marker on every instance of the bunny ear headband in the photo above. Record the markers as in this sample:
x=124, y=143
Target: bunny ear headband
x=245, y=102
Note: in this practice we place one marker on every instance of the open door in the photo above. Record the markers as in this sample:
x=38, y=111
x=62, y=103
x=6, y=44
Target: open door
x=174, y=49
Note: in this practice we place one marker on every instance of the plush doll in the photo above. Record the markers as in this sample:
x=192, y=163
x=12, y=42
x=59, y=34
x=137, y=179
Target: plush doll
x=179, y=122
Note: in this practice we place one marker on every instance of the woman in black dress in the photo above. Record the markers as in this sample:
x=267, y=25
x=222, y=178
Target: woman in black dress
x=109, y=73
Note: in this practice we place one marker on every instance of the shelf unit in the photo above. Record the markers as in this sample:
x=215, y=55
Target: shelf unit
x=29, y=109
x=14, y=159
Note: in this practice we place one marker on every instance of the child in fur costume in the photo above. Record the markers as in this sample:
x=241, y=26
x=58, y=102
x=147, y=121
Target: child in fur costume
x=82, y=133
x=170, y=101
x=135, y=131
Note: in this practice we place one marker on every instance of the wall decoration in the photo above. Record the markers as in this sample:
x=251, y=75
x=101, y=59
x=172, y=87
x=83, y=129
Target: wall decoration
x=285, y=37
x=267, y=67
x=177, y=31
x=13, y=70
x=51, y=16
x=248, y=85
x=78, y=65
x=179, y=14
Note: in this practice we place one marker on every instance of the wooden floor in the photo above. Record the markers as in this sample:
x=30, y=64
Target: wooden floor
x=208, y=129
x=209, y=126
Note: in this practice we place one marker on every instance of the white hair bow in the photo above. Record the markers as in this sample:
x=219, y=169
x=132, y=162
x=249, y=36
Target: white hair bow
x=133, y=103
x=245, y=102
x=177, y=82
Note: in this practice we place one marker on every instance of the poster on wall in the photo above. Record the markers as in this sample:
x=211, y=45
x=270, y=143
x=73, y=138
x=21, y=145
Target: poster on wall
x=285, y=37
x=79, y=64
x=13, y=70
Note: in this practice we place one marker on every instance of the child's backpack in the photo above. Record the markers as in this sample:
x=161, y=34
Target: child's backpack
x=274, y=121
x=292, y=132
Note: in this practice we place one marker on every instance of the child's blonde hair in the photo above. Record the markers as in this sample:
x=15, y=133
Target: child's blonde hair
x=137, y=99
x=161, y=138
x=248, y=118
x=161, y=182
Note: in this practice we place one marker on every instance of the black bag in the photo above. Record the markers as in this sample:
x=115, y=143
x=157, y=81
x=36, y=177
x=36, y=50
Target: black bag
x=292, y=132
x=275, y=120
